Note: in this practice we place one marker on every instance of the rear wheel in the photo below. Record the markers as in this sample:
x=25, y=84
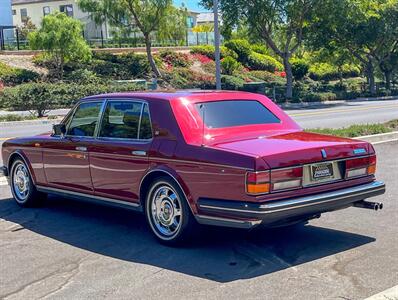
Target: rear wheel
x=168, y=213
x=22, y=187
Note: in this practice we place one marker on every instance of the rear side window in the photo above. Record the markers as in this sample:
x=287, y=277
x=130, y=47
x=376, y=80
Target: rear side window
x=219, y=114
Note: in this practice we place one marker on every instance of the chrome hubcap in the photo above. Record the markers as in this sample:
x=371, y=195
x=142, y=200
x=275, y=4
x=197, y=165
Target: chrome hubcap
x=21, y=182
x=166, y=211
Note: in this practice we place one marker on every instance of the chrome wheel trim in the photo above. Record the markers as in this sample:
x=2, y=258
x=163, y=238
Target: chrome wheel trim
x=21, y=182
x=165, y=211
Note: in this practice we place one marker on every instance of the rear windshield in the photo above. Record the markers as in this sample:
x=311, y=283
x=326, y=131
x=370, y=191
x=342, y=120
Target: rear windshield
x=219, y=114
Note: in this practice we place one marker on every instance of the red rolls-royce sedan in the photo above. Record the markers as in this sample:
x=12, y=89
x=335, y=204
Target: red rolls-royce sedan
x=231, y=159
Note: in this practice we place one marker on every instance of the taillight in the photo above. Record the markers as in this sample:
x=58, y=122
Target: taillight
x=286, y=179
x=360, y=166
x=257, y=182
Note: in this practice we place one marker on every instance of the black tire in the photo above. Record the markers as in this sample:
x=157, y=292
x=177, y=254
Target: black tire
x=169, y=209
x=22, y=187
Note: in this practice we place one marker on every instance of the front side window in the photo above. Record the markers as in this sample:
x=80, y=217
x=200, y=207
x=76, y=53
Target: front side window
x=85, y=119
x=229, y=113
x=67, y=9
x=24, y=15
x=122, y=120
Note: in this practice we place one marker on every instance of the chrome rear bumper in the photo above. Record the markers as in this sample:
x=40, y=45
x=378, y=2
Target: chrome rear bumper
x=247, y=215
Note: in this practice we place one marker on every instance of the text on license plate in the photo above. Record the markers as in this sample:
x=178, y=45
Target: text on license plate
x=320, y=171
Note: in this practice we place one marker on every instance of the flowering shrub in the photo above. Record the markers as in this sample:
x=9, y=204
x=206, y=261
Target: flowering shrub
x=280, y=74
x=175, y=59
x=201, y=58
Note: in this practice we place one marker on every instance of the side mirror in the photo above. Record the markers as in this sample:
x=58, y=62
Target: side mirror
x=59, y=129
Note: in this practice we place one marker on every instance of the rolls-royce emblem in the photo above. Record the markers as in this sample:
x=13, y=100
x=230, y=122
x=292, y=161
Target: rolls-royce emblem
x=323, y=152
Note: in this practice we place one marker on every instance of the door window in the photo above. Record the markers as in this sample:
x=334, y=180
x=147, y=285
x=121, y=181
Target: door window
x=85, y=119
x=122, y=120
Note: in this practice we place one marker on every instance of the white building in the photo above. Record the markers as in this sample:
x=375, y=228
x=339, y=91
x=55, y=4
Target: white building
x=35, y=10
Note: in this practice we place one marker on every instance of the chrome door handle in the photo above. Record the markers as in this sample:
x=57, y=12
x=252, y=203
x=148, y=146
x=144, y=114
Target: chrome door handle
x=81, y=148
x=139, y=153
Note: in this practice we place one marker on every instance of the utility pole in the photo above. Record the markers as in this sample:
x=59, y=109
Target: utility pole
x=217, y=45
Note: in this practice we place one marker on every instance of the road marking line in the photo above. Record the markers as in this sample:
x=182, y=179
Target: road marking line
x=391, y=294
x=342, y=110
x=6, y=138
x=387, y=141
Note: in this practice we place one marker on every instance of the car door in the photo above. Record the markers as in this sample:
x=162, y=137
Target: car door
x=119, y=156
x=65, y=158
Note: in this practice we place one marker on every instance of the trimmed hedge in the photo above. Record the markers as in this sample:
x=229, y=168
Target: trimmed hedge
x=257, y=61
x=231, y=82
x=325, y=71
x=299, y=68
x=229, y=65
x=209, y=50
x=12, y=76
x=41, y=97
x=240, y=47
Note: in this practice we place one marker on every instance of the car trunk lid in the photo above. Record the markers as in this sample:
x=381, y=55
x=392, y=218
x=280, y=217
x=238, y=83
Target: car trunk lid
x=297, y=148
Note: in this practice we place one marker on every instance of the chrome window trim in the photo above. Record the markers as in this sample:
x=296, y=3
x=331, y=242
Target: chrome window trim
x=72, y=114
x=143, y=102
x=94, y=197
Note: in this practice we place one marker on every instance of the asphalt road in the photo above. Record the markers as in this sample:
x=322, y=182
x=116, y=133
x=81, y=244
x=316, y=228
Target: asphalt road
x=74, y=250
x=345, y=114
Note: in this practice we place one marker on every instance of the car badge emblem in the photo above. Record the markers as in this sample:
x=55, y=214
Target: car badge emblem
x=359, y=151
x=324, y=155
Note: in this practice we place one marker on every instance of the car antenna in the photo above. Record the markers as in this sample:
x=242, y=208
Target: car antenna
x=203, y=109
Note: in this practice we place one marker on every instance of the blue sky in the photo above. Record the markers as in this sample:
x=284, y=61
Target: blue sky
x=191, y=4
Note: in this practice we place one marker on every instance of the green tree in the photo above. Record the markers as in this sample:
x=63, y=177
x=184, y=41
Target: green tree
x=279, y=24
x=364, y=28
x=174, y=25
x=61, y=38
x=146, y=15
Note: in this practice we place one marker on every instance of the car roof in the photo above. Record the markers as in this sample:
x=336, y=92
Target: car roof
x=167, y=95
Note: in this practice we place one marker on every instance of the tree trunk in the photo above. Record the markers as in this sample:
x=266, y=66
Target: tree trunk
x=371, y=77
x=387, y=75
x=152, y=63
x=289, y=77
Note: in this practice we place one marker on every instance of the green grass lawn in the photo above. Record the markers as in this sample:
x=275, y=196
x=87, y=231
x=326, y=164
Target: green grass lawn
x=359, y=130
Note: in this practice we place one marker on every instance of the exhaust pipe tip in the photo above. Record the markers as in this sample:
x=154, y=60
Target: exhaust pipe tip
x=369, y=205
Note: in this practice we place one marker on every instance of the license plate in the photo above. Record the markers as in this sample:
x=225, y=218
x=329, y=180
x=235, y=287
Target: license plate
x=322, y=171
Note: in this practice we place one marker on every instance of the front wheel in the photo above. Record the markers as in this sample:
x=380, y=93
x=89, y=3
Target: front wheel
x=168, y=213
x=22, y=187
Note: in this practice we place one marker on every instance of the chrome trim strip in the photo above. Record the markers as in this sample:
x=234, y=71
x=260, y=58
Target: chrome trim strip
x=94, y=197
x=154, y=159
x=225, y=222
x=254, y=222
x=309, y=200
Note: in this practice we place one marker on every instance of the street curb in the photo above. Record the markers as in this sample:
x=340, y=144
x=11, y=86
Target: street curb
x=379, y=138
x=333, y=102
x=29, y=122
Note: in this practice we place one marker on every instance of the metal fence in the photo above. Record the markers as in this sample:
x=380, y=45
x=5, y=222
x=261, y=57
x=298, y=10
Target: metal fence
x=13, y=40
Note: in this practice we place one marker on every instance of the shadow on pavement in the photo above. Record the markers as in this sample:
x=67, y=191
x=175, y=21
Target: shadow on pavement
x=221, y=255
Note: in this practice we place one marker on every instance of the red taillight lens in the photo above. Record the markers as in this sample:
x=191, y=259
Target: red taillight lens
x=360, y=166
x=257, y=182
x=286, y=179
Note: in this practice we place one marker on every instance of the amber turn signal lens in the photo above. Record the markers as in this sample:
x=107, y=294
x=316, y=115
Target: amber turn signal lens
x=371, y=169
x=259, y=188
